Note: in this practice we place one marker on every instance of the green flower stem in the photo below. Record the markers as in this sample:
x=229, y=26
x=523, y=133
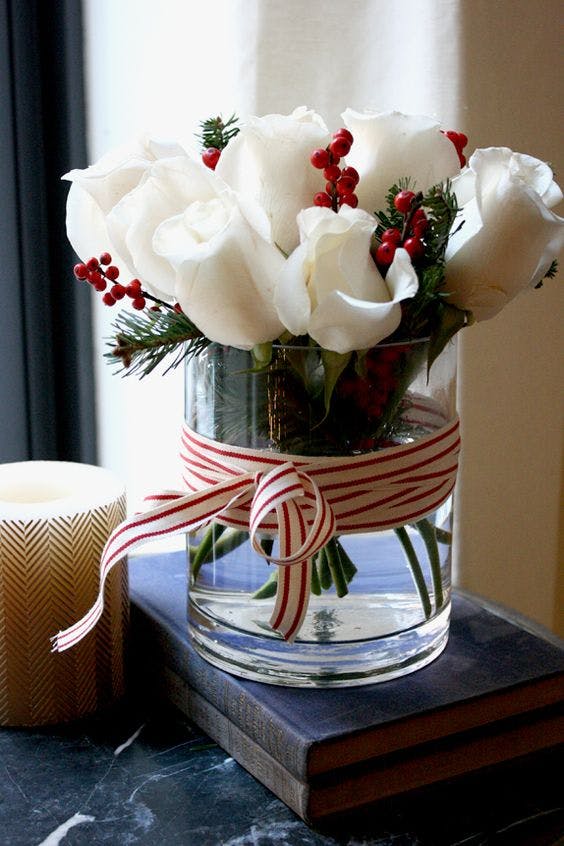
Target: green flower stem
x=443, y=536
x=315, y=584
x=416, y=571
x=268, y=589
x=336, y=568
x=349, y=568
x=217, y=544
x=266, y=543
x=427, y=532
x=325, y=579
x=205, y=547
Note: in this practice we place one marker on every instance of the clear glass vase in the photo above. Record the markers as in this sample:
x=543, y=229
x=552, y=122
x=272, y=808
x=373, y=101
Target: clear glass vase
x=379, y=603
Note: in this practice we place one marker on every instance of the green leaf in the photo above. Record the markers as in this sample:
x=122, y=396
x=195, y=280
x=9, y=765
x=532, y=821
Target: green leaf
x=360, y=364
x=262, y=355
x=451, y=321
x=333, y=364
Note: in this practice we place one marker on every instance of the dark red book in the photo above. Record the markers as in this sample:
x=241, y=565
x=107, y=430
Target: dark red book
x=496, y=693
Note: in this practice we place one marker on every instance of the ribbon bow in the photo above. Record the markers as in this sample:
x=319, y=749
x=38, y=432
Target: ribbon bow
x=304, y=500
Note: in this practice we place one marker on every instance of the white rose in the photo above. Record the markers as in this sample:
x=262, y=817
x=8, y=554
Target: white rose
x=166, y=189
x=330, y=287
x=509, y=236
x=391, y=145
x=225, y=270
x=95, y=191
x=268, y=161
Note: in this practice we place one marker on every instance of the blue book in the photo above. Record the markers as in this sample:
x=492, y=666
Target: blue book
x=496, y=693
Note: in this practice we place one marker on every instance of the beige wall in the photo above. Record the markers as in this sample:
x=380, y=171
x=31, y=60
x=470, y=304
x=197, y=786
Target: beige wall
x=509, y=495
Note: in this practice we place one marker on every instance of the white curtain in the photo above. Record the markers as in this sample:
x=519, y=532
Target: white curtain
x=487, y=68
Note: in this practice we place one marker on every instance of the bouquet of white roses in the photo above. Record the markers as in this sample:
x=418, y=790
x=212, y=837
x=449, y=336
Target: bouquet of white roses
x=282, y=239
x=282, y=232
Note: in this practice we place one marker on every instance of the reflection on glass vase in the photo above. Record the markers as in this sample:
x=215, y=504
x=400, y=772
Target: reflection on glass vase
x=378, y=592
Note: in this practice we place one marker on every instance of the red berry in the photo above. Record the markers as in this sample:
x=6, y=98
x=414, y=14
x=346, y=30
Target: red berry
x=330, y=188
x=155, y=308
x=80, y=271
x=100, y=285
x=345, y=185
x=112, y=272
x=340, y=146
x=403, y=200
x=349, y=200
x=178, y=308
x=420, y=228
x=418, y=215
x=344, y=133
x=415, y=248
x=393, y=236
x=133, y=289
x=105, y=258
x=108, y=300
x=210, y=157
x=94, y=277
x=117, y=291
x=320, y=158
x=385, y=253
x=322, y=199
x=139, y=303
x=352, y=174
x=92, y=264
x=332, y=172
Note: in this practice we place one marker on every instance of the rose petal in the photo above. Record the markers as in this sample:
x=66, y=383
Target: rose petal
x=391, y=145
x=342, y=323
x=167, y=188
x=291, y=298
x=268, y=161
x=225, y=273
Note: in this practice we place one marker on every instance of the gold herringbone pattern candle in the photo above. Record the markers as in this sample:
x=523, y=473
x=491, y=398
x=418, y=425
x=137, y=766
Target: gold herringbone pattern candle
x=55, y=518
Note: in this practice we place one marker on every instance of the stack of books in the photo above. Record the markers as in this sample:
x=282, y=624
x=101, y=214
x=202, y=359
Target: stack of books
x=496, y=693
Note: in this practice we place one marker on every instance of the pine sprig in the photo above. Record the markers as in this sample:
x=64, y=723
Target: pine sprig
x=441, y=206
x=215, y=132
x=143, y=340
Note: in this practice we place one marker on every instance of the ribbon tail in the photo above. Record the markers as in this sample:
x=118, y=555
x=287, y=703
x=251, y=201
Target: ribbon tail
x=184, y=514
x=292, y=599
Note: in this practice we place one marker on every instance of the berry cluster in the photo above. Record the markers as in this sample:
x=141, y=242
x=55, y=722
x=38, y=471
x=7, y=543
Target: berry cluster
x=368, y=396
x=341, y=182
x=98, y=272
x=410, y=237
x=460, y=140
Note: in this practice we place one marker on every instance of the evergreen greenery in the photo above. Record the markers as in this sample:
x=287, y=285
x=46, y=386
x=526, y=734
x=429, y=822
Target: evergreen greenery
x=428, y=313
x=144, y=339
x=215, y=132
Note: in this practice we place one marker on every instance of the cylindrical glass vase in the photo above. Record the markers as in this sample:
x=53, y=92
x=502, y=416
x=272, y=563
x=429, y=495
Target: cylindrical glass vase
x=379, y=600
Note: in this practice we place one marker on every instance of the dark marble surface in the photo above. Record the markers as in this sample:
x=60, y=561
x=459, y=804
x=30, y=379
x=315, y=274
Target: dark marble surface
x=145, y=776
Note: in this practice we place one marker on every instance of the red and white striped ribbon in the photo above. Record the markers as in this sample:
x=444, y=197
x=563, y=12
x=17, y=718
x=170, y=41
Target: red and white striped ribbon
x=304, y=500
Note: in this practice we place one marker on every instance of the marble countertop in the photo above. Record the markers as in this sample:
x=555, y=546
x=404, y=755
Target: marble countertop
x=146, y=776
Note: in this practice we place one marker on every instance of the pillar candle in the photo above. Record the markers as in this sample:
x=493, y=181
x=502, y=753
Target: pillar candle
x=55, y=518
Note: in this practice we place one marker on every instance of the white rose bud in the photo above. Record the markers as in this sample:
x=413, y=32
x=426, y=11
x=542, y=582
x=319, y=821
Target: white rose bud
x=509, y=236
x=330, y=287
